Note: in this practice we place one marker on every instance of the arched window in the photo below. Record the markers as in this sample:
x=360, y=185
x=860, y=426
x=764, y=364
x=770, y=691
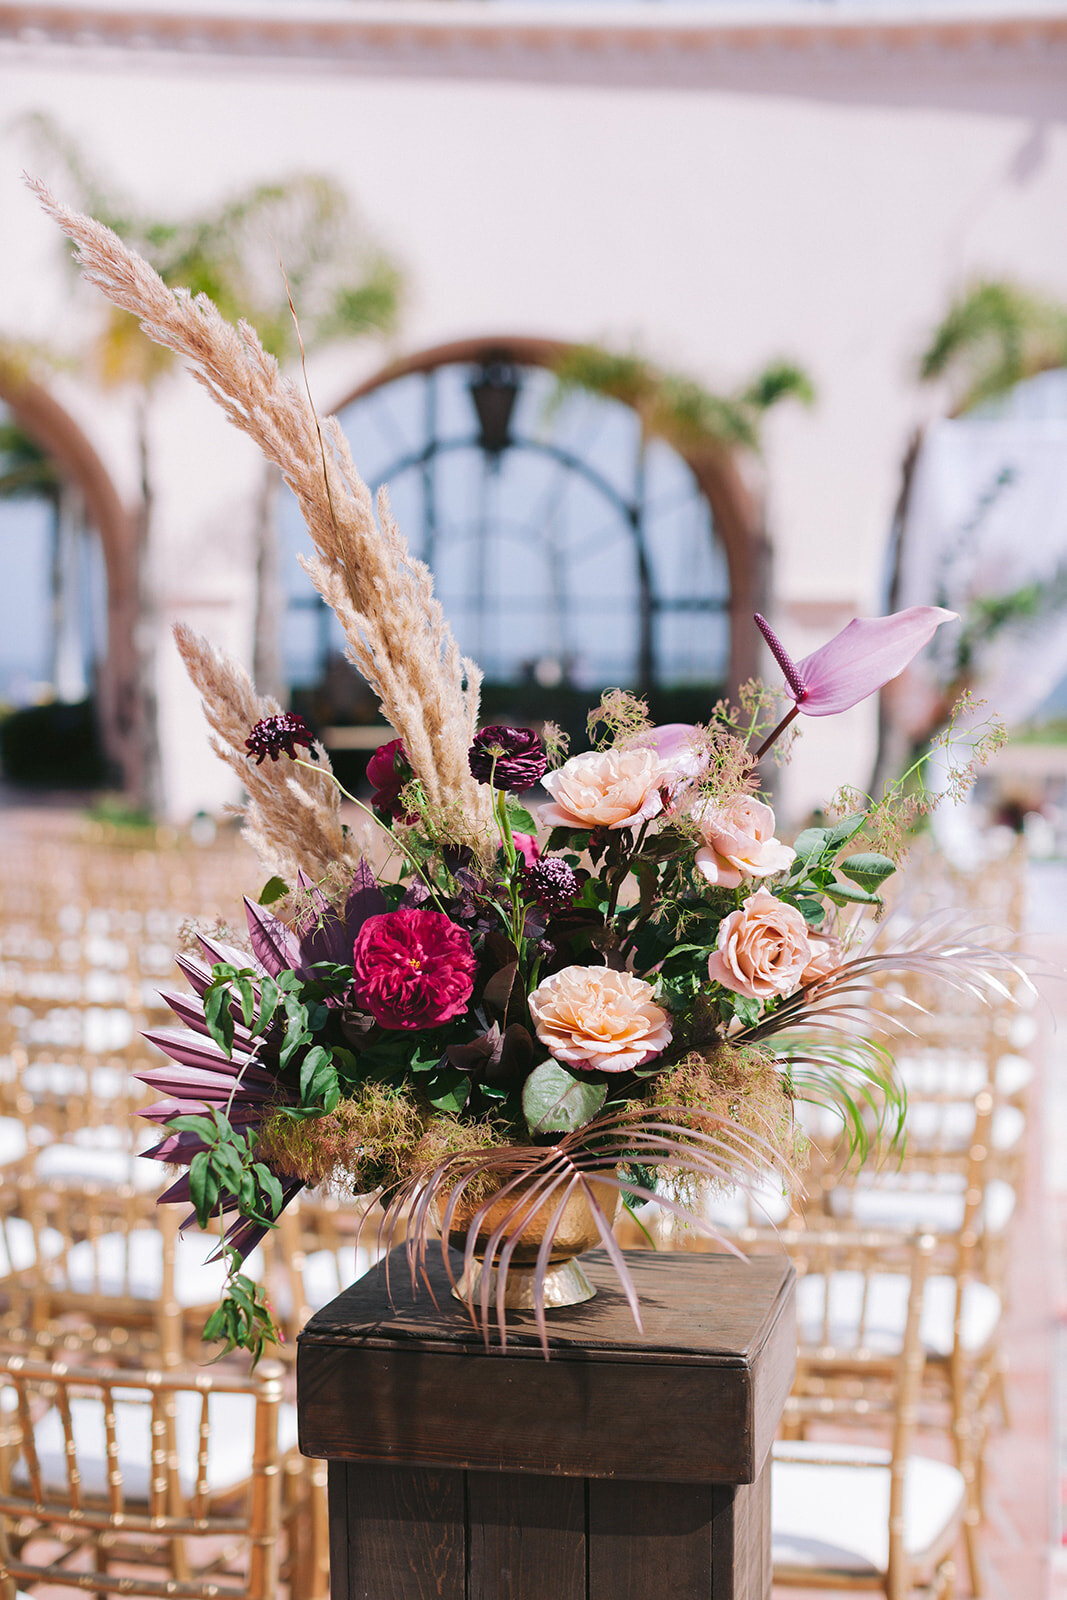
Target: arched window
x=53, y=616
x=53, y=588
x=570, y=552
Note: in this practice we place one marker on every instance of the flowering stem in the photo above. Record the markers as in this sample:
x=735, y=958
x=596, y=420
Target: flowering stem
x=772, y=736
x=401, y=846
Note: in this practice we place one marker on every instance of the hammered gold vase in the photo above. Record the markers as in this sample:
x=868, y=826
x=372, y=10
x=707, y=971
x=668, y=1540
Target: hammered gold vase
x=565, y=1284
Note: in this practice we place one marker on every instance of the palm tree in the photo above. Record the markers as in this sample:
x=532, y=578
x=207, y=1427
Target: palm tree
x=993, y=336
x=295, y=242
x=677, y=407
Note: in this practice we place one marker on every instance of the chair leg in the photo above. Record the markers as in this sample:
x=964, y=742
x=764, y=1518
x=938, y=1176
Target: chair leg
x=1000, y=1390
x=973, y=1545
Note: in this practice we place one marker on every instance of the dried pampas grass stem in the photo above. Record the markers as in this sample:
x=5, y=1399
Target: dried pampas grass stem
x=396, y=632
x=292, y=823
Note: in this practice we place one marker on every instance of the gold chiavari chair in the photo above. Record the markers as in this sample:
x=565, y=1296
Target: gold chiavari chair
x=862, y=1516
x=141, y=1482
x=320, y=1246
x=107, y=1270
x=853, y=1294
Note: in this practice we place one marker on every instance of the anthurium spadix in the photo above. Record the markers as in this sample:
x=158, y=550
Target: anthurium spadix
x=865, y=655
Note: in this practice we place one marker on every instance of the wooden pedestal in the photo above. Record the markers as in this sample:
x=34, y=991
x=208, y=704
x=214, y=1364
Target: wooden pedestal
x=628, y=1467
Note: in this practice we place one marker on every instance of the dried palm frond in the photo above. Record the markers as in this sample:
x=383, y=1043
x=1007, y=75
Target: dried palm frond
x=396, y=631
x=823, y=1035
x=431, y=1202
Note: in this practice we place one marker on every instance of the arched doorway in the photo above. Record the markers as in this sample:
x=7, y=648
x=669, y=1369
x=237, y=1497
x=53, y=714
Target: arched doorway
x=86, y=644
x=570, y=552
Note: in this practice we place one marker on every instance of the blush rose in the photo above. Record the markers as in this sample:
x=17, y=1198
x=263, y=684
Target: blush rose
x=739, y=843
x=604, y=789
x=763, y=948
x=826, y=956
x=412, y=968
x=600, y=1019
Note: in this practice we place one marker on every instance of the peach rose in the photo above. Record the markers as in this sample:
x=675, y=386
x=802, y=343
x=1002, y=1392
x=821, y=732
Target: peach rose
x=763, y=948
x=739, y=843
x=826, y=956
x=596, y=1017
x=604, y=789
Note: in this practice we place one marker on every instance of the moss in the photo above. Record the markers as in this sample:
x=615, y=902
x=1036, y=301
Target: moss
x=732, y=1086
x=367, y=1142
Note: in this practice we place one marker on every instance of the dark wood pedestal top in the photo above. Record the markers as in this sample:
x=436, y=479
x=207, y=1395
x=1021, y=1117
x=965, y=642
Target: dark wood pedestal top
x=632, y=1465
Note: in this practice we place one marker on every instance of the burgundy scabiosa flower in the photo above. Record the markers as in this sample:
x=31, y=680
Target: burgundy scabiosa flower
x=509, y=758
x=552, y=883
x=413, y=968
x=388, y=770
x=273, y=736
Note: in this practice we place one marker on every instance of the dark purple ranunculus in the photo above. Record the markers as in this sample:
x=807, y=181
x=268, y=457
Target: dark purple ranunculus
x=273, y=735
x=413, y=969
x=509, y=758
x=388, y=770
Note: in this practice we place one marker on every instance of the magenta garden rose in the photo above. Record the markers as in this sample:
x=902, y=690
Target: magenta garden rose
x=413, y=969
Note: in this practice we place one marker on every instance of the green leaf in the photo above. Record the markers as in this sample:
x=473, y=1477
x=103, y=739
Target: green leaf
x=554, y=1100
x=215, y=1326
x=747, y=1010
x=813, y=911
x=867, y=869
x=810, y=844
x=203, y=1127
x=851, y=894
x=268, y=1005
x=846, y=829
x=318, y=1075
x=222, y=1123
x=295, y=1040
x=568, y=839
x=520, y=818
x=228, y=1165
x=217, y=1015
x=449, y=1090
x=203, y=1187
x=270, y=1186
x=274, y=889
x=248, y=999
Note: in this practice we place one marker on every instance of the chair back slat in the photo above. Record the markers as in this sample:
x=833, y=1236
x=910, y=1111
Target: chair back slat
x=103, y=1460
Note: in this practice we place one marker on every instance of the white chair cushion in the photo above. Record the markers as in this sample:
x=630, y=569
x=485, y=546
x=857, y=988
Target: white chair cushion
x=19, y=1249
x=951, y=1127
x=108, y=1167
x=734, y=1209
x=962, y=1072
x=131, y=1265
x=935, y=1201
x=327, y=1272
x=230, y=1420
x=43, y=1079
x=830, y=1508
x=886, y=1309
x=13, y=1142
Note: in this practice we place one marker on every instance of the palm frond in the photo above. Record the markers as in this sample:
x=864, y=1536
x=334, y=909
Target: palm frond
x=826, y=1036
x=533, y=1178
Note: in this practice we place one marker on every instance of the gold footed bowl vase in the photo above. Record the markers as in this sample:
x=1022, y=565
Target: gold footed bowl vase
x=565, y=1284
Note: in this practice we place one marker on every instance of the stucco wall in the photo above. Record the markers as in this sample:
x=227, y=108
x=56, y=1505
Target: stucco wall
x=821, y=202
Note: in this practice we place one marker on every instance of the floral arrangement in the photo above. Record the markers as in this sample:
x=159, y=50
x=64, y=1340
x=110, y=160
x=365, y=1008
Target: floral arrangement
x=473, y=1003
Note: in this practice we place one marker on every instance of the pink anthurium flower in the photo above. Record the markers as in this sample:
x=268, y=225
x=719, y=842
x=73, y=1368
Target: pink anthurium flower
x=855, y=663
